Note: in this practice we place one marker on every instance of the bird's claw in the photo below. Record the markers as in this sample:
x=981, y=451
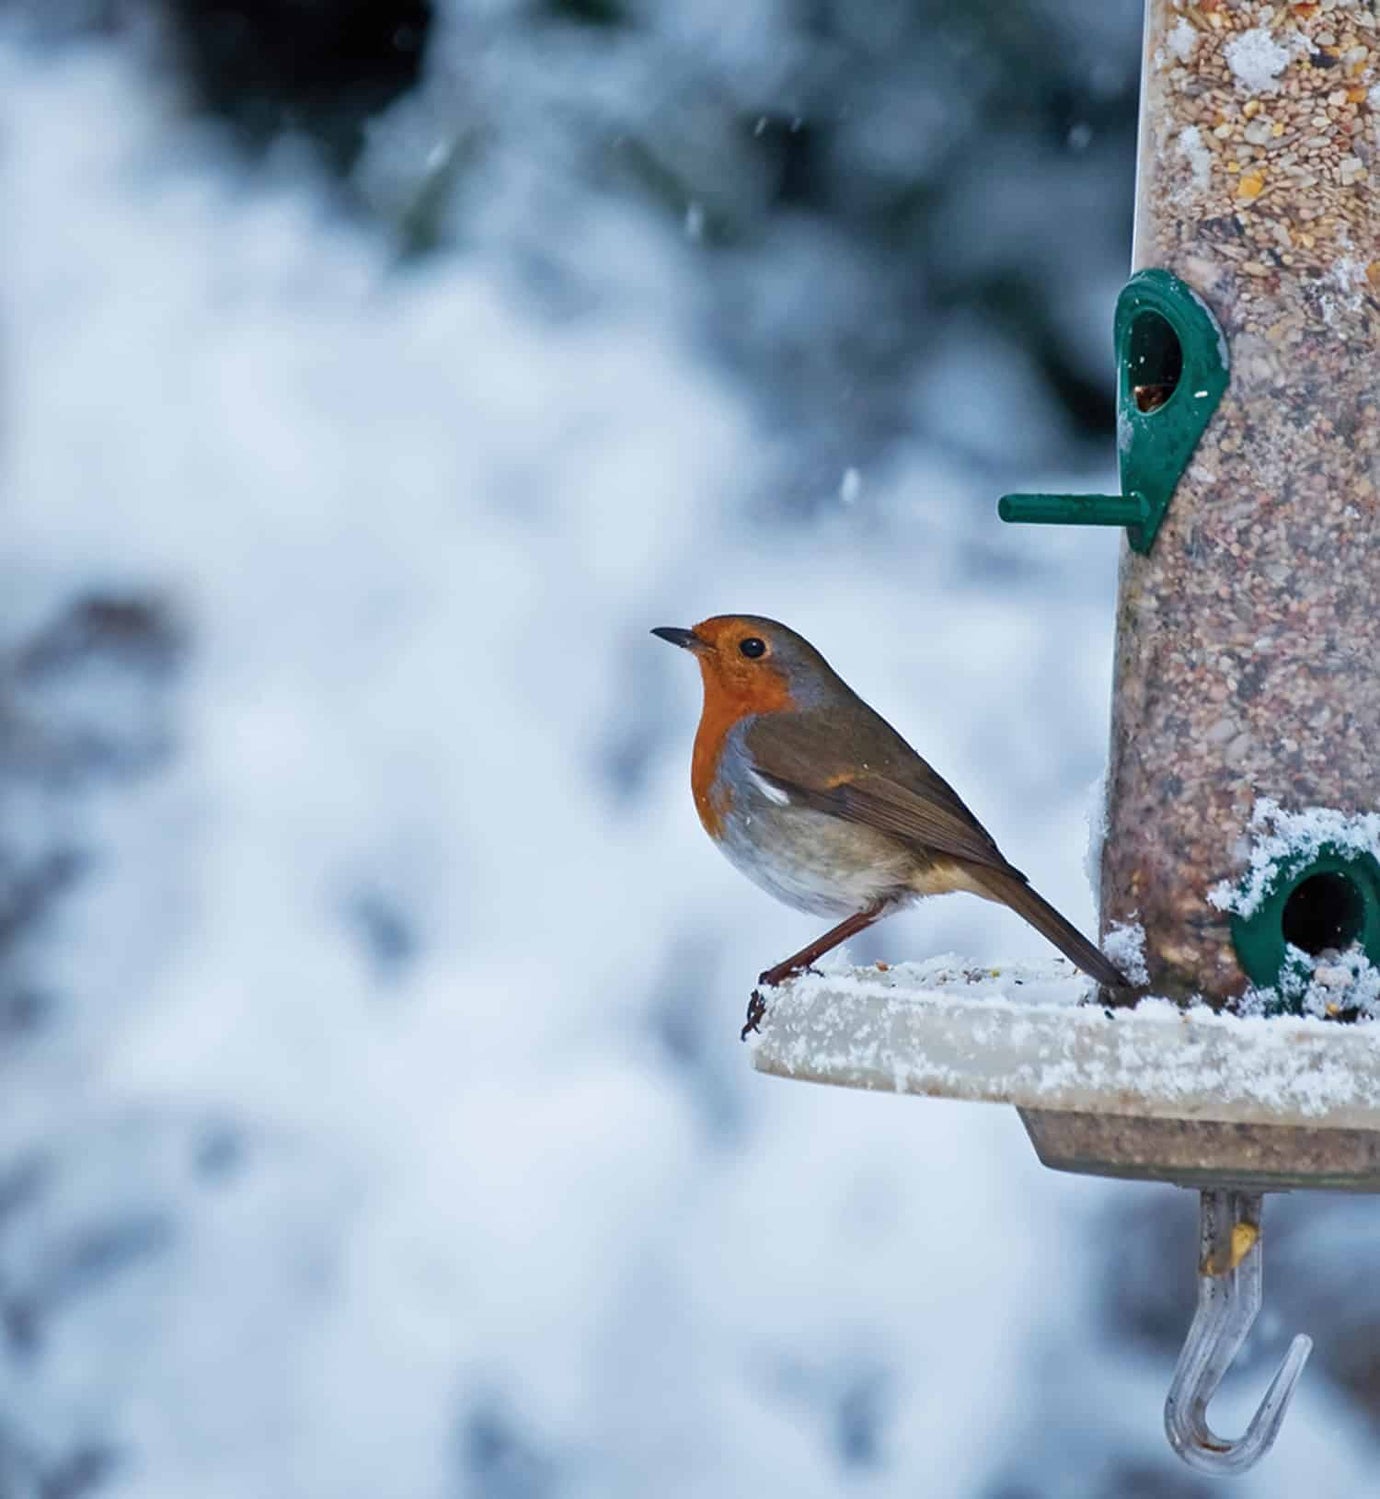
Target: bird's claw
x=773, y=978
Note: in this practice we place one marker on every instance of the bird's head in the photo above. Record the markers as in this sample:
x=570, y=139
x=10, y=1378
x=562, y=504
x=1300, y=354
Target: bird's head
x=758, y=665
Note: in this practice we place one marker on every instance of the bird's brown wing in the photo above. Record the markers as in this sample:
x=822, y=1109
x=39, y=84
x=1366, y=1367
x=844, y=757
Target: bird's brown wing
x=880, y=782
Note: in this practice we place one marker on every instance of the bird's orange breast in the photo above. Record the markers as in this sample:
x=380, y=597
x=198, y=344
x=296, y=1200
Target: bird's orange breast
x=724, y=708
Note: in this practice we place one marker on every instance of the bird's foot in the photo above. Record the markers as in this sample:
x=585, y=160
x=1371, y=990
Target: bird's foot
x=770, y=979
x=773, y=978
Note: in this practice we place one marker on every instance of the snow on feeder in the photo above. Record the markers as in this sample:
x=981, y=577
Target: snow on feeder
x=1243, y=816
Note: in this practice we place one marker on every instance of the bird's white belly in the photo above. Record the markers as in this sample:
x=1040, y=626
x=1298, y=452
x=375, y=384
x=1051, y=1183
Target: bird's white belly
x=813, y=861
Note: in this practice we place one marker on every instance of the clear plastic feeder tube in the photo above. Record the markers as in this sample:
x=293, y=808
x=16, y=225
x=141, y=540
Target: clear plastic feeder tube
x=1249, y=637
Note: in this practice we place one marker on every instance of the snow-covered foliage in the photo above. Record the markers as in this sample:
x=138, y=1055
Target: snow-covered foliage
x=390, y=1133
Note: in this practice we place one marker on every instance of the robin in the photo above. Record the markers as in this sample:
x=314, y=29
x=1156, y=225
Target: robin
x=820, y=801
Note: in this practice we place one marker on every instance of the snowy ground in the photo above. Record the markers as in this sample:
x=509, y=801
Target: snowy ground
x=385, y=1130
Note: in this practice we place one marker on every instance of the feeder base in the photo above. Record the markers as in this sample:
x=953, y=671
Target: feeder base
x=1154, y=1094
x=1207, y=1154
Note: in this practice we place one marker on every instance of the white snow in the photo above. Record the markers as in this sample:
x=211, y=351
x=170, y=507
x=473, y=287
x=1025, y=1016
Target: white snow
x=1017, y=1033
x=1256, y=59
x=1125, y=432
x=1124, y=944
x=1199, y=158
x=1223, y=352
x=1331, y=985
x=1283, y=843
x=1183, y=39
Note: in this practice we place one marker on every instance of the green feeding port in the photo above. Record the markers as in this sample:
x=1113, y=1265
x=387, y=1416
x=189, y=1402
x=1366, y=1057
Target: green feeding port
x=1154, y=360
x=1171, y=373
x=1329, y=904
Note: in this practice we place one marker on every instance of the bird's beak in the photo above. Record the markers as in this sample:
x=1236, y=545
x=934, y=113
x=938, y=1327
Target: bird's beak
x=687, y=640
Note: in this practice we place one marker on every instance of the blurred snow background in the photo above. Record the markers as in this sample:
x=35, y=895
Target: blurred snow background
x=372, y=377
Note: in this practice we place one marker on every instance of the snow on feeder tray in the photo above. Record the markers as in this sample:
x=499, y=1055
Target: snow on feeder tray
x=1243, y=792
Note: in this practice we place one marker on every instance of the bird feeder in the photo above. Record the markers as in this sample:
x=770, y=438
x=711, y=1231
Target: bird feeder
x=1243, y=792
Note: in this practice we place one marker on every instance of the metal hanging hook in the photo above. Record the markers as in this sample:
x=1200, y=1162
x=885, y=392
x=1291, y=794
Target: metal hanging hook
x=1229, y=1291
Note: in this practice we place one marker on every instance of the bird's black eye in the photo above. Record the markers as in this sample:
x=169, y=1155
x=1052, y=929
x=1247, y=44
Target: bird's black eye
x=752, y=647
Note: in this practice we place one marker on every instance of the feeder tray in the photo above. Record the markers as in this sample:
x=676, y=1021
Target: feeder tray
x=1154, y=1093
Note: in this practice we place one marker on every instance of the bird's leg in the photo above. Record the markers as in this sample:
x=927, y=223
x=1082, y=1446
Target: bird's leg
x=788, y=968
x=799, y=962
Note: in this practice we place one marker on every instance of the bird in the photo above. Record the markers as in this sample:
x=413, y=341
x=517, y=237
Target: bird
x=819, y=801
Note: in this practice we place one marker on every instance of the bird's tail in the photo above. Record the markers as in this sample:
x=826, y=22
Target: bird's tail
x=1012, y=890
